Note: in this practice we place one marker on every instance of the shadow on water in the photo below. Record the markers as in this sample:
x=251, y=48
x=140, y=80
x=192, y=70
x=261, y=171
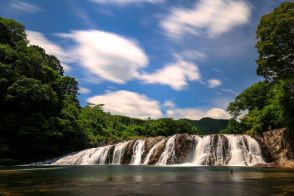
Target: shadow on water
x=145, y=180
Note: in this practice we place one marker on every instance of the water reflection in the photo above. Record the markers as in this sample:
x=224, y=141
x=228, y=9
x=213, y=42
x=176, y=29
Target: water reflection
x=146, y=180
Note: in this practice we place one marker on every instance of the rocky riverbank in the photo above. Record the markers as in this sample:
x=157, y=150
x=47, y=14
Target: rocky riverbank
x=277, y=147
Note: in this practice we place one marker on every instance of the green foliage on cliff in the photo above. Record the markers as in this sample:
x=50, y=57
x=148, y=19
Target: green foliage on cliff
x=269, y=104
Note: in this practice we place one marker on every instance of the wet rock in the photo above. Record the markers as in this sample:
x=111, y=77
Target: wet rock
x=110, y=155
x=160, y=148
x=225, y=150
x=149, y=143
x=184, y=149
x=276, y=145
x=127, y=157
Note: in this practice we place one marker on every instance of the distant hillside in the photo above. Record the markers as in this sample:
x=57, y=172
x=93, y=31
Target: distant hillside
x=208, y=125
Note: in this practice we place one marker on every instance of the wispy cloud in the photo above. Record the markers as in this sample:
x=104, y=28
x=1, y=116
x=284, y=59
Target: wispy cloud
x=80, y=13
x=128, y=103
x=168, y=104
x=207, y=17
x=228, y=90
x=213, y=83
x=126, y=2
x=23, y=6
x=83, y=90
x=191, y=54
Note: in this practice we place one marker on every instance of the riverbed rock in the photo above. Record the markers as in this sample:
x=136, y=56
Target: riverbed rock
x=184, y=149
x=160, y=148
x=149, y=143
x=110, y=155
x=128, y=152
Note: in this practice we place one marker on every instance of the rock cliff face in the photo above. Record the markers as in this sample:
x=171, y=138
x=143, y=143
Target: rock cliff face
x=184, y=148
x=277, y=146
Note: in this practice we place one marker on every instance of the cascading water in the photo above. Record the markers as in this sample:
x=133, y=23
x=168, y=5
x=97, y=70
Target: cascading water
x=169, y=151
x=242, y=151
x=212, y=150
x=151, y=151
x=138, y=150
x=219, y=151
x=86, y=157
x=103, y=157
x=202, y=151
x=118, y=153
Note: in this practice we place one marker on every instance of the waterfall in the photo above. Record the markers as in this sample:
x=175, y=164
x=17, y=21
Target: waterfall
x=219, y=151
x=151, y=151
x=202, y=151
x=86, y=157
x=242, y=150
x=119, y=150
x=138, y=150
x=104, y=154
x=245, y=151
x=73, y=159
x=212, y=150
x=169, y=151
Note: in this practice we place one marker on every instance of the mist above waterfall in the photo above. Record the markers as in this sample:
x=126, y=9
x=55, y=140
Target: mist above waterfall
x=212, y=150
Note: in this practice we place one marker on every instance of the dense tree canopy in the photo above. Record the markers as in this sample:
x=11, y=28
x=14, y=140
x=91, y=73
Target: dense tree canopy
x=275, y=45
x=39, y=106
x=269, y=104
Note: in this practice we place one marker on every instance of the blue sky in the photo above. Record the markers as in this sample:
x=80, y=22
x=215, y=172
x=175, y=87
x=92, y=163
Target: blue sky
x=150, y=58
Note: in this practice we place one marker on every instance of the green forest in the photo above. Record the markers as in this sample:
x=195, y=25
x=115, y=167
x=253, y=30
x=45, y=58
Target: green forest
x=269, y=104
x=41, y=117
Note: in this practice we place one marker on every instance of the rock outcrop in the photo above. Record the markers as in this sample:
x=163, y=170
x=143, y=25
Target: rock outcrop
x=184, y=148
x=277, y=147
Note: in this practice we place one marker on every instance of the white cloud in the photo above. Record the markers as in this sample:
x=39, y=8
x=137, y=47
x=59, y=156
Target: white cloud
x=83, y=90
x=66, y=67
x=137, y=105
x=128, y=103
x=36, y=38
x=109, y=56
x=175, y=75
x=213, y=83
x=191, y=55
x=169, y=104
x=230, y=91
x=196, y=114
x=212, y=17
x=125, y=2
x=24, y=6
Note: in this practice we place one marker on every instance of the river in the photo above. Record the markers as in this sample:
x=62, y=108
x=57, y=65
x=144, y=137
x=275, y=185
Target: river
x=145, y=180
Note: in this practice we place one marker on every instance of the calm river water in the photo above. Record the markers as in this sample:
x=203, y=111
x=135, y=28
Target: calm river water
x=145, y=180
